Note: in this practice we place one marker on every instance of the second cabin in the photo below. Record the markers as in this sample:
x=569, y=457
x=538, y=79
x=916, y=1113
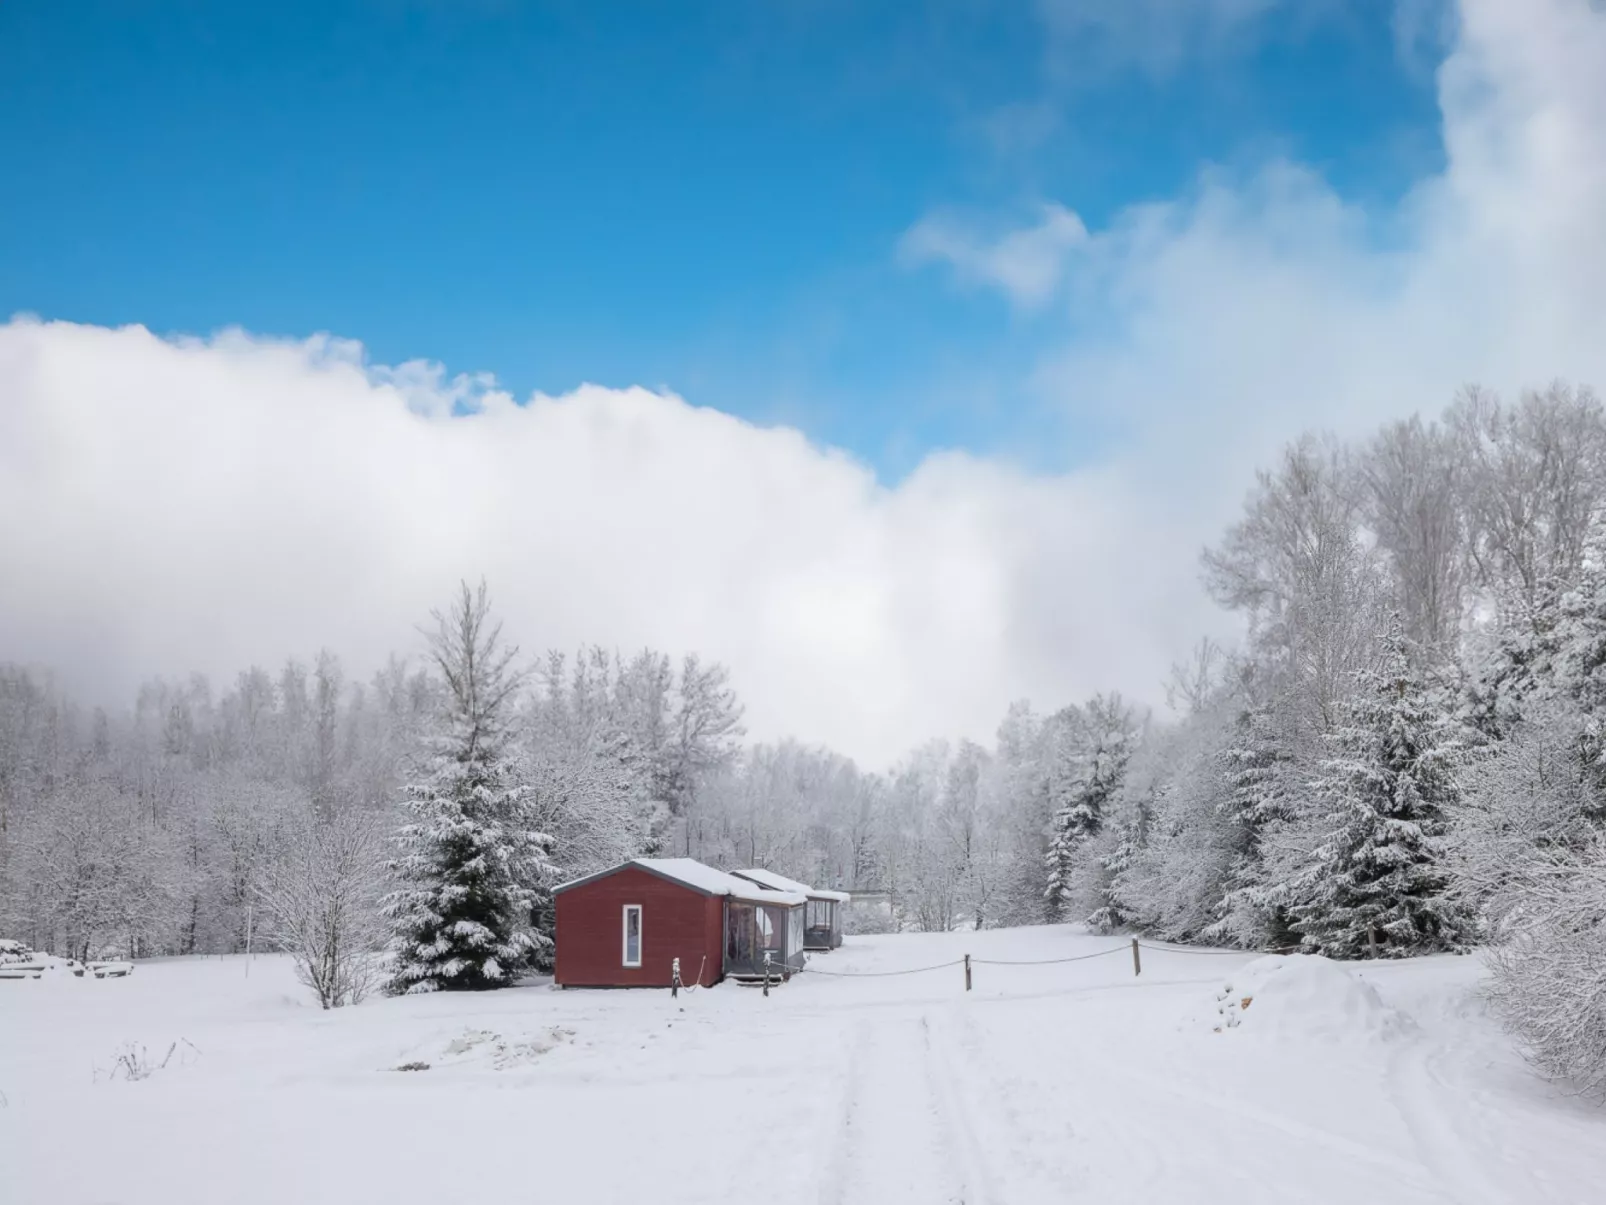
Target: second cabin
x=822, y=915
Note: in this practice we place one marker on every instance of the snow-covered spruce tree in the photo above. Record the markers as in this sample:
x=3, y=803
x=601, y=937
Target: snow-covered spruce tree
x=1255, y=767
x=1088, y=764
x=1122, y=843
x=1580, y=664
x=1377, y=882
x=473, y=867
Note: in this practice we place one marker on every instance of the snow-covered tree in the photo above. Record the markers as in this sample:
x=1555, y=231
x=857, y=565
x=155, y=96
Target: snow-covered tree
x=1377, y=880
x=1170, y=843
x=320, y=903
x=1546, y=977
x=473, y=867
x=1256, y=771
x=1531, y=485
x=101, y=879
x=1090, y=754
x=1528, y=798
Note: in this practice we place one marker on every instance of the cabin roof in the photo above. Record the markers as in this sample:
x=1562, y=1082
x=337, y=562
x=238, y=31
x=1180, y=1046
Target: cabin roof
x=779, y=882
x=689, y=872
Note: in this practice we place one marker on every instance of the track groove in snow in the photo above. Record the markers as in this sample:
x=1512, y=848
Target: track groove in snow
x=1420, y=1092
x=902, y=1134
x=1039, y=1150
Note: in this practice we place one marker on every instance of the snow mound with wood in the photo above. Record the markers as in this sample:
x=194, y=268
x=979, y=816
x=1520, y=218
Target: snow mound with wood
x=1300, y=997
x=481, y=1048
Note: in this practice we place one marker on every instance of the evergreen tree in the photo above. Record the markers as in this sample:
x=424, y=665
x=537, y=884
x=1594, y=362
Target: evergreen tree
x=1581, y=663
x=1090, y=762
x=474, y=870
x=1253, y=909
x=1129, y=839
x=1377, y=882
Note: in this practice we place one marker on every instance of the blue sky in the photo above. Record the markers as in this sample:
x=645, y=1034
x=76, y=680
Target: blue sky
x=709, y=198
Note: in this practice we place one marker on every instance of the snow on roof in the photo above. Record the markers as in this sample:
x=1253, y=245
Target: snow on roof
x=700, y=877
x=779, y=882
x=690, y=872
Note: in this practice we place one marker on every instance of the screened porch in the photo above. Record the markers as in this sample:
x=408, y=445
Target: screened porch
x=754, y=929
x=822, y=923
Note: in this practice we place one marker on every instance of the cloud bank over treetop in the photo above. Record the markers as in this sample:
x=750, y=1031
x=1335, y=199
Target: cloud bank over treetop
x=206, y=504
x=177, y=505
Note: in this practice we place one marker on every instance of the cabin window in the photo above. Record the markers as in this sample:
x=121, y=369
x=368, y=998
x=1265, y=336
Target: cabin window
x=819, y=914
x=632, y=935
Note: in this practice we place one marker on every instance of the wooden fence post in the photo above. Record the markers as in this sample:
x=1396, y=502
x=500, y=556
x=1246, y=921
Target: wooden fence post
x=967, y=972
x=674, y=979
x=1137, y=961
x=766, y=972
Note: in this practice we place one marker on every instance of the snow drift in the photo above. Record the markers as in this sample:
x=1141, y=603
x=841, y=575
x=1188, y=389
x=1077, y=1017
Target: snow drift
x=1302, y=996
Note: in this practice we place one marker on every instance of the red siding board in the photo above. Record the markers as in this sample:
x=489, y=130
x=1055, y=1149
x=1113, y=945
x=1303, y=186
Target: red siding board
x=676, y=922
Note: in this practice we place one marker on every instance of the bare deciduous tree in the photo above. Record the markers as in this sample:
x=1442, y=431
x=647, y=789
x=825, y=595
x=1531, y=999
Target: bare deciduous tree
x=321, y=902
x=1532, y=484
x=1410, y=479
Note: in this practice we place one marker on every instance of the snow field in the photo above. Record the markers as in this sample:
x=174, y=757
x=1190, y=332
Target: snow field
x=1068, y=1082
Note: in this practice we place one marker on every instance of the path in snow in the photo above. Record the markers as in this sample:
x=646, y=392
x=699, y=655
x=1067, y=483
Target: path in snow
x=896, y=1134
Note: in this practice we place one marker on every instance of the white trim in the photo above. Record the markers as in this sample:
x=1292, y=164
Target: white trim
x=624, y=935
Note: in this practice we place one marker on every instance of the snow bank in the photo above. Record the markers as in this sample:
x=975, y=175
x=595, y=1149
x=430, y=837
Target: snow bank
x=1301, y=996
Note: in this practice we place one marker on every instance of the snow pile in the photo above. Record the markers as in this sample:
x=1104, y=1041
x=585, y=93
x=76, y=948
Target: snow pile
x=482, y=1047
x=1302, y=996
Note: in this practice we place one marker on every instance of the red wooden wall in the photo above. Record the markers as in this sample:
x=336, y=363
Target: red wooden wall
x=676, y=922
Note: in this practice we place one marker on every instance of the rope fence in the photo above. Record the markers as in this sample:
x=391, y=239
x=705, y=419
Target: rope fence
x=1203, y=950
x=1044, y=962
x=1135, y=946
x=941, y=966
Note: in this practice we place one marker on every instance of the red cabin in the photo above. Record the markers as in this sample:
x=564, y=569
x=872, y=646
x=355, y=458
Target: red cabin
x=626, y=926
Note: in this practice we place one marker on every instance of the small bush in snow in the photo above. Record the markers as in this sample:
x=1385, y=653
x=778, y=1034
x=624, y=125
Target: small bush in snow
x=134, y=1063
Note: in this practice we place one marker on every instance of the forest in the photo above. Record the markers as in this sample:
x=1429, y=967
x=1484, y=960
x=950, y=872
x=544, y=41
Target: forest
x=1402, y=754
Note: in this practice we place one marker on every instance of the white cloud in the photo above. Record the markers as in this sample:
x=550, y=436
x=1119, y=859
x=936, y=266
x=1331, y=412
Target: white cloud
x=1027, y=263
x=206, y=504
x=1095, y=36
x=1234, y=317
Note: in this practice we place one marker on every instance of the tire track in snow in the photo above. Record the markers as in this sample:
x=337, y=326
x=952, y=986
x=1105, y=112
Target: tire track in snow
x=901, y=1135
x=1025, y=1138
x=841, y=1131
x=969, y=1160
x=1428, y=1106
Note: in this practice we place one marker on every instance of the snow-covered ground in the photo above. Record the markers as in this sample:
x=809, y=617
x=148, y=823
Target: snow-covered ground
x=1077, y=1081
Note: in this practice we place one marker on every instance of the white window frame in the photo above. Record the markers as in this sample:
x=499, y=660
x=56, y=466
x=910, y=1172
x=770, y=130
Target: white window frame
x=624, y=934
